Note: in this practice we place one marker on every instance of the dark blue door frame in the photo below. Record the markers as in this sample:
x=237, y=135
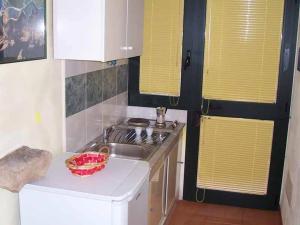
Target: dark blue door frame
x=190, y=99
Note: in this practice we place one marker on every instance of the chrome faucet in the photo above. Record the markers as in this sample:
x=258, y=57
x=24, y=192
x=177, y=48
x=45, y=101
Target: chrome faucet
x=106, y=132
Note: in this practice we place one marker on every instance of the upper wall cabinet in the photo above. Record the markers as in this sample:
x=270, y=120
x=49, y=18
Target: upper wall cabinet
x=98, y=30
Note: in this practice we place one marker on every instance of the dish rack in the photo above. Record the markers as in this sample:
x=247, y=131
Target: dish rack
x=128, y=136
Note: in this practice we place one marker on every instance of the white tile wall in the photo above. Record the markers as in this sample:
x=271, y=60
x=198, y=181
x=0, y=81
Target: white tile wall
x=109, y=112
x=150, y=113
x=94, y=122
x=76, y=131
x=122, y=104
x=88, y=124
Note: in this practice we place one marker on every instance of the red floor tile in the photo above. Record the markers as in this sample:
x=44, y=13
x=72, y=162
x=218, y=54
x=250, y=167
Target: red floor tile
x=190, y=213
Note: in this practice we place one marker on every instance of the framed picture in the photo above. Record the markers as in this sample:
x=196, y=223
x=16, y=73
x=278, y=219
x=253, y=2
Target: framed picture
x=22, y=30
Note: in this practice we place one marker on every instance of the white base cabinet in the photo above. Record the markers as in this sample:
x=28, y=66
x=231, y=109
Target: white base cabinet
x=117, y=195
x=162, y=187
x=46, y=208
x=98, y=30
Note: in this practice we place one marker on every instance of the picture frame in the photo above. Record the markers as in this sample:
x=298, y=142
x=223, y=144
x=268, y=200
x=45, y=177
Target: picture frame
x=22, y=30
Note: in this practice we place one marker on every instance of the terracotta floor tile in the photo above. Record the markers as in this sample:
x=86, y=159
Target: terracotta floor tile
x=261, y=217
x=213, y=223
x=195, y=220
x=190, y=213
x=231, y=221
x=227, y=214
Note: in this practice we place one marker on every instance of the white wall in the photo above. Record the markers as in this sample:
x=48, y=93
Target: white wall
x=290, y=199
x=31, y=112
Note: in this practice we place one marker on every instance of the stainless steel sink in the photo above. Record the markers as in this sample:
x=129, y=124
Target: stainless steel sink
x=128, y=151
x=124, y=143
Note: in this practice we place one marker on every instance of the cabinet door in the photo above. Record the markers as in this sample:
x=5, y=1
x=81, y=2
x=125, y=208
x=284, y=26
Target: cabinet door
x=78, y=29
x=115, y=29
x=156, y=196
x=171, y=179
x=137, y=207
x=135, y=27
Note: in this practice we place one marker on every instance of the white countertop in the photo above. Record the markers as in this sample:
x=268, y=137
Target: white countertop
x=118, y=181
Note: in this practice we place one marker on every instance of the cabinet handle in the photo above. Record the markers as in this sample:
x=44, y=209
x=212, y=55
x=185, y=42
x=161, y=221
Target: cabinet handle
x=125, y=48
x=137, y=197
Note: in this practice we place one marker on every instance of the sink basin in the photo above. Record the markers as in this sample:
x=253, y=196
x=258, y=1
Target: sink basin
x=124, y=143
x=128, y=151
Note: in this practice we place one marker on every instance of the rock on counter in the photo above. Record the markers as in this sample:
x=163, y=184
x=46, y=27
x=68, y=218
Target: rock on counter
x=22, y=166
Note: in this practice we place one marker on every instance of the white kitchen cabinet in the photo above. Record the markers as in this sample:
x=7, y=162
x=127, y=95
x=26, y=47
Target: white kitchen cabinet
x=137, y=209
x=98, y=30
x=135, y=27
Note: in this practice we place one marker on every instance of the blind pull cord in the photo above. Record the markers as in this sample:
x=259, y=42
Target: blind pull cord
x=203, y=196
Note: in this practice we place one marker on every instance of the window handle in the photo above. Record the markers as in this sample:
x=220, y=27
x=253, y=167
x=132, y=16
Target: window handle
x=286, y=59
x=187, y=62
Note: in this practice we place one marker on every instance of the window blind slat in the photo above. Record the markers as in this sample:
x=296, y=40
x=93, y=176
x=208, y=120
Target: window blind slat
x=235, y=154
x=160, y=67
x=242, y=50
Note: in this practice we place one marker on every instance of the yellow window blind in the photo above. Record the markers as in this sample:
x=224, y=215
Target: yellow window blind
x=242, y=50
x=160, y=67
x=235, y=154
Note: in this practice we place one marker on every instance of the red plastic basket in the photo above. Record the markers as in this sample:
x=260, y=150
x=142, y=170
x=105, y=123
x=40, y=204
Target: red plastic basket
x=86, y=164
